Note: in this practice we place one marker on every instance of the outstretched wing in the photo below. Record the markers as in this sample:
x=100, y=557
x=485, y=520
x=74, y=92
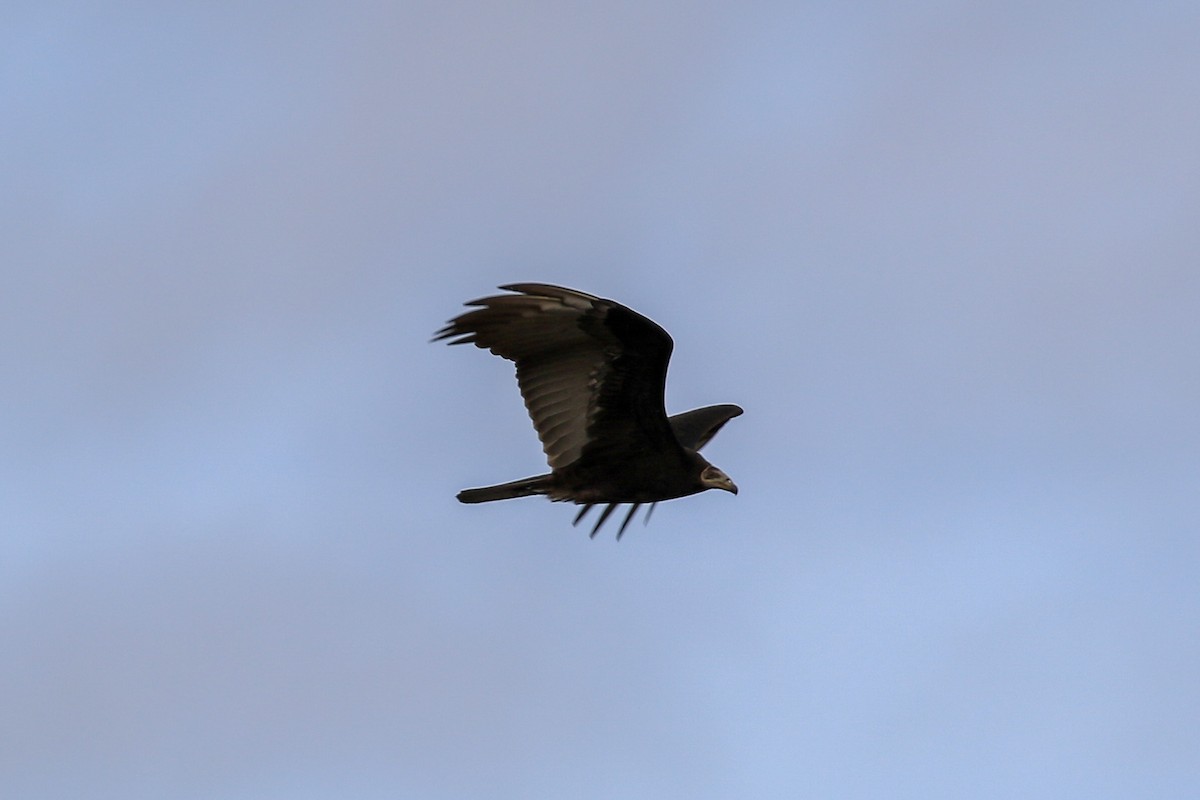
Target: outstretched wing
x=592, y=372
x=694, y=428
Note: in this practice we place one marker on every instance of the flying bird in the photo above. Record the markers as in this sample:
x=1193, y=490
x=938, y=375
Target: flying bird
x=592, y=373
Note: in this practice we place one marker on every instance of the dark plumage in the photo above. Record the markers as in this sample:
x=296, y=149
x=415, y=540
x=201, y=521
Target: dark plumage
x=592, y=373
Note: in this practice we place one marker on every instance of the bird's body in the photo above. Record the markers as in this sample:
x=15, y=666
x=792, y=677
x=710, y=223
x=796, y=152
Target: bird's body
x=593, y=373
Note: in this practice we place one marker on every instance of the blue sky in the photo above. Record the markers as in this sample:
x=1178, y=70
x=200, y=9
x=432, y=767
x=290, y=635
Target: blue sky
x=944, y=254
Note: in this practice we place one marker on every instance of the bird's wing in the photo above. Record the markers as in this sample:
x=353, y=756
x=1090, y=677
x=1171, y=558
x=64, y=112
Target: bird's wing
x=592, y=372
x=694, y=428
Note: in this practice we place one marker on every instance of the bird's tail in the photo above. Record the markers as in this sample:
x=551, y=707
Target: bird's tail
x=539, y=484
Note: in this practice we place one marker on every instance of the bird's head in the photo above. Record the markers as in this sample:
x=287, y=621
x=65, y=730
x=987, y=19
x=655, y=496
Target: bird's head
x=713, y=478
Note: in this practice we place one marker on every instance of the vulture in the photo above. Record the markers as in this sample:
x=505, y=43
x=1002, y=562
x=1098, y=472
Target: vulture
x=592, y=373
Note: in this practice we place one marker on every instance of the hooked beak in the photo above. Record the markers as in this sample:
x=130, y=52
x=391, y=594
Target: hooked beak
x=716, y=479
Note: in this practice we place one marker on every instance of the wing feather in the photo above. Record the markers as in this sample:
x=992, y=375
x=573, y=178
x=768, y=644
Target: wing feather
x=694, y=428
x=591, y=371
